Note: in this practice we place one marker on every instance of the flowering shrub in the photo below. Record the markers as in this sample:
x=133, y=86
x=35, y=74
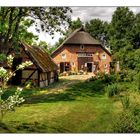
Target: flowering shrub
x=12, y=101
x=3, y=72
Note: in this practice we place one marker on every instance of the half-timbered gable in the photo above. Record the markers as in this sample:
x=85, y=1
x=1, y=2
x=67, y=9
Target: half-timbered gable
x=43, y=71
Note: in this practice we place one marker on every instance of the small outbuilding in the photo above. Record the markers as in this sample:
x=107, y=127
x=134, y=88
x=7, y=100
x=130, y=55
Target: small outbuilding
x=43, y=71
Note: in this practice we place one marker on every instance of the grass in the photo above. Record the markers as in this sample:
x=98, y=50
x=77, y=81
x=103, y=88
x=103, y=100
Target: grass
x=69, y=106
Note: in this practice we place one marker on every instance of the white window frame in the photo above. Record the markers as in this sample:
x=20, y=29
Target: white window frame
x=84, y=55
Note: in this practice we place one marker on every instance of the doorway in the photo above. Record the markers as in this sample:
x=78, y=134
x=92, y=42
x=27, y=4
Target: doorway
x=89, y=67
x=64, y=66
x=16, y=80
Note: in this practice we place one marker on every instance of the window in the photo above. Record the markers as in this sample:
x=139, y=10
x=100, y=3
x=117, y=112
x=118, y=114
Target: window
x=73, y=64
x=104, y=56
x=63, y=55
x=105, y=66
x=88, y=54
x=82, y=47
x=84, y=54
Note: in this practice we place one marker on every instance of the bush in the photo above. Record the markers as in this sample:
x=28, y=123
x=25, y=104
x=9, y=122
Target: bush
x=107, y=78
x=135, y=109
x=128, y=121
x=14, y=100
x=138, y=83
x=127, y=76
x=125, y=123
x=30, y=84
x=2, y=57
x=112, y=90
x=125, y=102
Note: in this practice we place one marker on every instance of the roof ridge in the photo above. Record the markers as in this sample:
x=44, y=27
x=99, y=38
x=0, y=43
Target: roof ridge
x=41, y=57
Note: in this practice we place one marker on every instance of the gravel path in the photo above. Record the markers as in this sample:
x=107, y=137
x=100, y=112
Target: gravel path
x=78, y=77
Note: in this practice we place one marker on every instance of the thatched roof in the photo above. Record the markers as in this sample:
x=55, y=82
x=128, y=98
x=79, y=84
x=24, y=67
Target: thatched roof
x=80, y=36
x=40, y=58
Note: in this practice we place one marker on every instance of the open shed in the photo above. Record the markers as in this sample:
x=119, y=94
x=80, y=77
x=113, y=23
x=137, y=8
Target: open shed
x=43, y=71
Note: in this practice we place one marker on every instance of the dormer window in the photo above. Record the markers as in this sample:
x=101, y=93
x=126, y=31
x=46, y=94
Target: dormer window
x=103, y=56
x=82, y=47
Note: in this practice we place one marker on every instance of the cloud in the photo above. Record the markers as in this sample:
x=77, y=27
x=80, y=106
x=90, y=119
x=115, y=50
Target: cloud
x=88, y=13
x=103, y=13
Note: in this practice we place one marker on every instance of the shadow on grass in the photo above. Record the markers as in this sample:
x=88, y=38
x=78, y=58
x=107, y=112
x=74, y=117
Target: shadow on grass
x=4, y=128
x=35, y=127
x=79, y=89
x=71, y=89
x=49, y=98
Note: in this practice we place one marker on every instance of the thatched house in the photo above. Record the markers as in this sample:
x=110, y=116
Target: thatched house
x=43, y=71
x=80, y=51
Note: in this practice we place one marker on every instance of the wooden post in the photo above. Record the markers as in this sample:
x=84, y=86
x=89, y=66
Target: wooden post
x=38, y=78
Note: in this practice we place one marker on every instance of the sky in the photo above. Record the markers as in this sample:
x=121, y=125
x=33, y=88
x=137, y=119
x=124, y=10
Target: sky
x=85, y=14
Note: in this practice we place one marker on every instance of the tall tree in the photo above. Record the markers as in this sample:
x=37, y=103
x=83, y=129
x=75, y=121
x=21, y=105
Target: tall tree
x=135, y=34
x=12, y=22
x=121, y=27
x=98, y=29
x=124, y=38
x=75, y=24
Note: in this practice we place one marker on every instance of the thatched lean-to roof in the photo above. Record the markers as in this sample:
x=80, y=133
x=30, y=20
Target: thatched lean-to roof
x=80, y=36
x=40, y=58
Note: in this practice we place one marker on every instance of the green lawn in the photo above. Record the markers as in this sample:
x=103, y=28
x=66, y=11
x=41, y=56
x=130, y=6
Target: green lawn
x=69, y=106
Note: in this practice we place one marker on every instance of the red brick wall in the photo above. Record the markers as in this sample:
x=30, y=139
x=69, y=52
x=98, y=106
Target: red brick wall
x=71, y=56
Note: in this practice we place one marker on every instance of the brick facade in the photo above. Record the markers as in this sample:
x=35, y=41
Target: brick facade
x=90, y=57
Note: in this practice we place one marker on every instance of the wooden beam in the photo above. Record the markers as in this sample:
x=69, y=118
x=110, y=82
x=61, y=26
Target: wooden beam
x=44, y=81
x=38, y=78
x=29, y=76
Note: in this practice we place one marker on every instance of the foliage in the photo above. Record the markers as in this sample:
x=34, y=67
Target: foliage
x=124, y=123
x=128, y=120
x=120, y=28
x=15, y=21
x=12, y=101
x=135, y=34
x=107, y=78
x=138, y=83
x=112, y=90
x=44, y=45
x=125, y=102
x=2, y=57
x=75, y=24
x=56, y=45
x=98, y=29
